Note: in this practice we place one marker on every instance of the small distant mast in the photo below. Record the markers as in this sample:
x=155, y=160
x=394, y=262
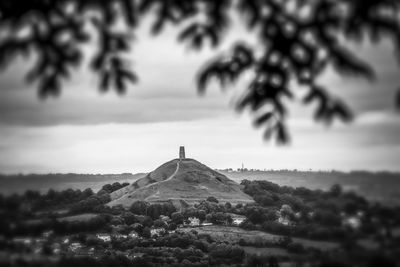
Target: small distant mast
x=181, y=152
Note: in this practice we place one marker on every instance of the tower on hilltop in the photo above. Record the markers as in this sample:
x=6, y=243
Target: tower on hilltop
x=181, y=152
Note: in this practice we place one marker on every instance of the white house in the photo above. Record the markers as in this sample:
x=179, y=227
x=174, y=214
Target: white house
x=56, y=248
x=75, y=246
x=193, y=221
x=104, y=237
x=237, y=219
x=284, y=215
x=284, y=221
x=23, y=240
x=165, y=219
x=157, y=231
x=353, y=222
x=47, y=234
x=133, y=234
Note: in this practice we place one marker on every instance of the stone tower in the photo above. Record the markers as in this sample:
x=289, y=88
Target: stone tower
x=181, y=152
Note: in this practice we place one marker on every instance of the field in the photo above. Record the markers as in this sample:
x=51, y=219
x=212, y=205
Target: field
x=80, y=217
x=234, y=234
x=266, y=251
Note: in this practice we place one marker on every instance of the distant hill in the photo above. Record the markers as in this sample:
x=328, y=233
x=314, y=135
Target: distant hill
x=382, y=187
x=176, y=180
x=11, y=184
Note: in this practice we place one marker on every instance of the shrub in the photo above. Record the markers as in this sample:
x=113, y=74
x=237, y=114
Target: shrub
x=212, y=199
x=295, y=248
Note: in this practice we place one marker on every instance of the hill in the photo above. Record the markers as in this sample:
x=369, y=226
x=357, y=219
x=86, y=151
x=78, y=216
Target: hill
x=176, y=180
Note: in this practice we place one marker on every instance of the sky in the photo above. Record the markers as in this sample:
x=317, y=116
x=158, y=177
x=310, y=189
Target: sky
x=85, y=131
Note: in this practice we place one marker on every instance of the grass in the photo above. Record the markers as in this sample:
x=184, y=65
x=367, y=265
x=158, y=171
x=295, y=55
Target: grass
x=265, y=251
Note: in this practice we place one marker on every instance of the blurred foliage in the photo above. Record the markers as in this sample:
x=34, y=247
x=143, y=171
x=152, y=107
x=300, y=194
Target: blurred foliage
x=297, y=41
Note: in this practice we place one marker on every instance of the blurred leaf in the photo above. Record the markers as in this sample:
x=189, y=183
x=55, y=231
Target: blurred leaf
x=263, y=119
x=120, y=84
x=281, y=132
x=340, y=110
x=188, y=32
x=251, y=9
x=288, y=47
x=129, y=76
x=105, y=82
x=346, y=63
x=213, y=69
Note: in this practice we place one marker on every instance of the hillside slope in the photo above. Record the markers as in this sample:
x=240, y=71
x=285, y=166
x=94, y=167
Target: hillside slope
x=176, y=180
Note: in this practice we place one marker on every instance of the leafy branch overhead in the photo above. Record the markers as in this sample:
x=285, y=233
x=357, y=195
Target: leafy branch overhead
x=297, y=41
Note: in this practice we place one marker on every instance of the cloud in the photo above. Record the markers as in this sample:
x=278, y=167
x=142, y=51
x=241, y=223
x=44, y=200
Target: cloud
x=166, y=91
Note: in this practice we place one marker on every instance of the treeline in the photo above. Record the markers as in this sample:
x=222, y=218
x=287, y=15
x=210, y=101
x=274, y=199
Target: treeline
x=76, y=200
x=109, y=188
x=153, y=210
x=22, y=228
x=32, y=201
x=33, y=212
x=314, y=214
x=95, y=203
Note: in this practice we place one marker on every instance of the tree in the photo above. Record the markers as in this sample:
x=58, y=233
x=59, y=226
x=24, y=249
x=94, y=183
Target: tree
x=336, y=190
x=147, y=221
x=212, y=199
x=255, y=215
x=201, y=214
x=177, y=217
x=146, y=232
x=327, y=217
x=298, y=40
x=139, y=207
x=172, y=226
x=219, y=218
x=255, y=260
x=273, y=262
x=129, y=218
x=160, y=224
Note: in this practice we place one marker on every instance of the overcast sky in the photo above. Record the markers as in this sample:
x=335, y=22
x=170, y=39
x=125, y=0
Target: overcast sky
x=84, y=131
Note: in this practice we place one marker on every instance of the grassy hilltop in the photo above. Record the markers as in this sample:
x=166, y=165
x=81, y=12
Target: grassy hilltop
x=187, y=180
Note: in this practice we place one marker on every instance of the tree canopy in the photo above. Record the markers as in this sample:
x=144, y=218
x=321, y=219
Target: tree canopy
x=297, y=41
